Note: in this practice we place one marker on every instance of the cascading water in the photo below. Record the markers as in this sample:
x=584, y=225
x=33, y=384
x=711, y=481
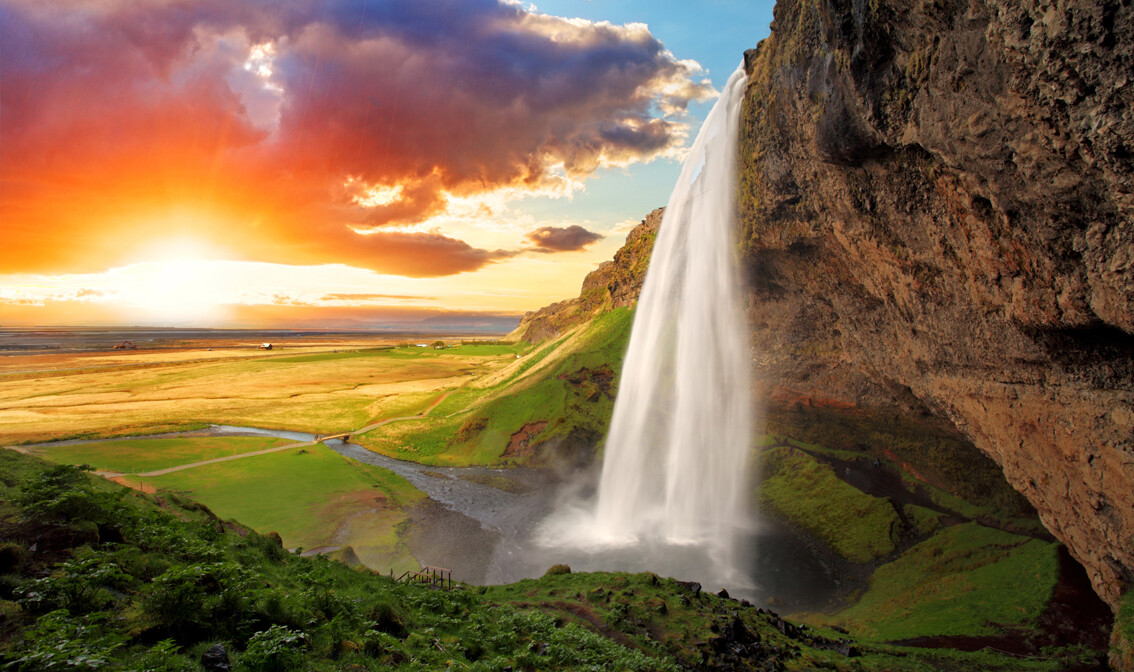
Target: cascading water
x=674, y=471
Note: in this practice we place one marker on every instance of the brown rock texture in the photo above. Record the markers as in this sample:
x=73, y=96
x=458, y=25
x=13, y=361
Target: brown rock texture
x=614, y=284
x=937, y=200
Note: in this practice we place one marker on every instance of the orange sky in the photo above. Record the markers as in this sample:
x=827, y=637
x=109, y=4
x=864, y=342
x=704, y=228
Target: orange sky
x=185, y=162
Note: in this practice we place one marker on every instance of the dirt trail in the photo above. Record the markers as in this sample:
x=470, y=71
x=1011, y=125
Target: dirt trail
x=191, y=465
x=301, y=444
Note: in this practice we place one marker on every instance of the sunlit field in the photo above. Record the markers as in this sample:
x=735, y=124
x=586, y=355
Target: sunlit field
x=311, y=496
x=336, y=388
x=129, y=456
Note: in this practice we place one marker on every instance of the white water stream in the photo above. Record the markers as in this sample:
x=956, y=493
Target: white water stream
x=675, y=465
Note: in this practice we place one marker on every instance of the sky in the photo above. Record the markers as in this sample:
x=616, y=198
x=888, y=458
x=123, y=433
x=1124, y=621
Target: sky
x=338, y=163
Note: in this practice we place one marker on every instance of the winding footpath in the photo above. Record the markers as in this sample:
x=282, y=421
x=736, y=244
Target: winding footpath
x=290, y=446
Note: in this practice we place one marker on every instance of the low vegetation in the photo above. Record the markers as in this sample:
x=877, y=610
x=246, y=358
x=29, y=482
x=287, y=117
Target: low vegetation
x=855, y=525
x=965, y=580
x=95, y=576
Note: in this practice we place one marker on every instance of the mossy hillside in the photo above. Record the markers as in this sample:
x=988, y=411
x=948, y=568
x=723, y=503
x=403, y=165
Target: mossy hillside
x=924, y=521
x=808, y=494
x=965, y=580
x=121, y=580
x=952, y=469
x=542, y=388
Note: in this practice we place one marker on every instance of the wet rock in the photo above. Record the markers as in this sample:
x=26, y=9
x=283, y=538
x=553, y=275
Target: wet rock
x=215, y=659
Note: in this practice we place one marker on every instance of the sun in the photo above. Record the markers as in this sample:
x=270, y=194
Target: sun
x=177, y=280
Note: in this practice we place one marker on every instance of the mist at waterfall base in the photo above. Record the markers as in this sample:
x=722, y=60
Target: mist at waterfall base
x=672, y=496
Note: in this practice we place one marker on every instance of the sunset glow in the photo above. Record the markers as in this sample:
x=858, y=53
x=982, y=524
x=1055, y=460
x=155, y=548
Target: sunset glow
x=159, y=165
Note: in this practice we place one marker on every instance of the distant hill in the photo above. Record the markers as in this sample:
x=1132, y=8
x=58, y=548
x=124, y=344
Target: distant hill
x=614, y=284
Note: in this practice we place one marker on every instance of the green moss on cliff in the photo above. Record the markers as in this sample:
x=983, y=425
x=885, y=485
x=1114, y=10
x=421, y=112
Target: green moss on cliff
x=966, y=580
x=927, y=450
x=809, y=494
x=1122, y=640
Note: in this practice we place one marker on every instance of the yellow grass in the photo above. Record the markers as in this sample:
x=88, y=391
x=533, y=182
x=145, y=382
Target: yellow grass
x=313, y=389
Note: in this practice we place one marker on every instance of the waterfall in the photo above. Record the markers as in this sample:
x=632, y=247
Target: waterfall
x=675, y=465
x=676, y=455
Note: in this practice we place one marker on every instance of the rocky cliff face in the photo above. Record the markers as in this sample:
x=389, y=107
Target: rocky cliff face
x=614, y=284
x=937, y=200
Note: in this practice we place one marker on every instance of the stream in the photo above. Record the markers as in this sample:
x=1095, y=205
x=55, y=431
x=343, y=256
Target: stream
x=484, y=523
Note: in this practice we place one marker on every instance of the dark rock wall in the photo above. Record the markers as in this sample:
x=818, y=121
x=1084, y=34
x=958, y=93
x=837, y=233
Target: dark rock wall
x=937, y=206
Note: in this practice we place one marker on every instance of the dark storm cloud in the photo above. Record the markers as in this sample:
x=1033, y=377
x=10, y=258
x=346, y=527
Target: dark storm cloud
x=562, y=239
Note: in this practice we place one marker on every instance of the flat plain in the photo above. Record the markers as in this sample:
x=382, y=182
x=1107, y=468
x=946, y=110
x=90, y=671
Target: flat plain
x=320, y=388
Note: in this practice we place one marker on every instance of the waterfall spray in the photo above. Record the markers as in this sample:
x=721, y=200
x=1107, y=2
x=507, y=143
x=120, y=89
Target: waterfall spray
x=675, y=464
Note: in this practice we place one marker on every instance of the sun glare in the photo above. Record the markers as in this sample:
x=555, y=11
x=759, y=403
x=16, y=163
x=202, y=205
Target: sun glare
x=176, y=291
x=174, y=280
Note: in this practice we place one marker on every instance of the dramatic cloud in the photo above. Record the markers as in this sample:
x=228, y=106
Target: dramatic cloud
x=293, y=131
x=562, y=239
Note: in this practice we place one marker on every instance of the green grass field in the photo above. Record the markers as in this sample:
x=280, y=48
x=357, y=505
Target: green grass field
x=311, y=496
x=966, y=580
x=138, y=455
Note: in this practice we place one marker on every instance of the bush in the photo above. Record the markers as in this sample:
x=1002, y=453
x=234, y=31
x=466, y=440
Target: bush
x=58, y=642
x=64, y=494
x=277, y=648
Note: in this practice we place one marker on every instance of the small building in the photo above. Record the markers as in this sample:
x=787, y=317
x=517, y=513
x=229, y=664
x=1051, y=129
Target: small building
x=265, y=346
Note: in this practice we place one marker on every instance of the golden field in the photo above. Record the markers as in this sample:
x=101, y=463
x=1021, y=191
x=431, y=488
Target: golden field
x=322, y=388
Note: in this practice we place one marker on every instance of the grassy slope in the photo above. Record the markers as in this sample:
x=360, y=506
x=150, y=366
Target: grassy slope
x=966, y=580
x=117, y=582
x=475, y=424
x=311, y=496
x=134, y=455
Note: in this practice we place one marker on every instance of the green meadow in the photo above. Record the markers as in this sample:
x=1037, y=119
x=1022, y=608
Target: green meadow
x=310, y=496
x=139, y=455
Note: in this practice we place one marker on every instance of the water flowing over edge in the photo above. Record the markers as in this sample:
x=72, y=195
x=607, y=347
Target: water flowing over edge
x=675, y=467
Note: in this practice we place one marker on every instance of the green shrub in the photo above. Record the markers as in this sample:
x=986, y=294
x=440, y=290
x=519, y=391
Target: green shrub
x=64, y=495
x=59, y=642
x=275, y=649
